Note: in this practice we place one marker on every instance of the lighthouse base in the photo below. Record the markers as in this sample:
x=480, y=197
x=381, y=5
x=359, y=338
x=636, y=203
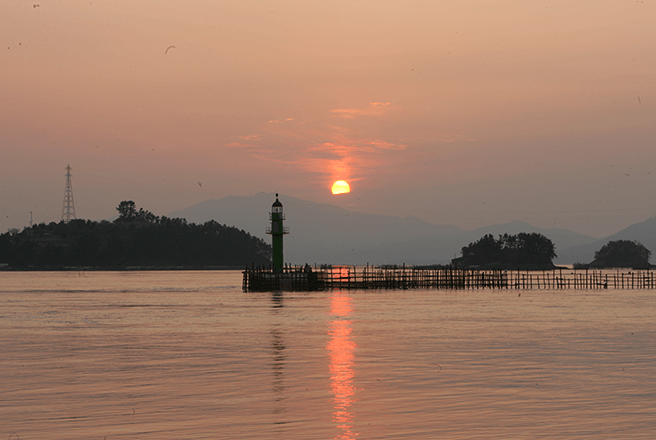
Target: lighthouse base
x=268, y=280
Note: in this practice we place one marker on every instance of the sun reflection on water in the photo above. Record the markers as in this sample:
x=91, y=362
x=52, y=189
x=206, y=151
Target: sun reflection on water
x=342, y=355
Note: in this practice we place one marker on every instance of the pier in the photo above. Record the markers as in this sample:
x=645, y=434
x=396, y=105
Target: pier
x=306, y=278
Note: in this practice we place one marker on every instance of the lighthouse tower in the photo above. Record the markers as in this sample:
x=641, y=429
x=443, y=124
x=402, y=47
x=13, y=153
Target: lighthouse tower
x=277, y=230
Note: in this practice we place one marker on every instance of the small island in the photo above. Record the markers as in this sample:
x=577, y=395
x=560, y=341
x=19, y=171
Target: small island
x=526, y=251
x=137, y=239
x=620, y=253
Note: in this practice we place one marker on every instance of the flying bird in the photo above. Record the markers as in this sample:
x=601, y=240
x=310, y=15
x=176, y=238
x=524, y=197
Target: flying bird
x=167, y=49
x=200, y=184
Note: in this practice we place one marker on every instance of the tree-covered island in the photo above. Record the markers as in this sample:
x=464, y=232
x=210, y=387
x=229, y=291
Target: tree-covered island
x=137, y=238
x=524, y=251
x=620, y=253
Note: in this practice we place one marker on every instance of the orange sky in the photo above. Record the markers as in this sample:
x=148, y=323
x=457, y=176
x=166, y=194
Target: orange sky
x=466, y=113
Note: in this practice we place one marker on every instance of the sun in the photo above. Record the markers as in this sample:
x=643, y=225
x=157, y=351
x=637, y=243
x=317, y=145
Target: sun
x=341, y=187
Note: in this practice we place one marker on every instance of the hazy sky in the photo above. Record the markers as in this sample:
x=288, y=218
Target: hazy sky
x=458, y=112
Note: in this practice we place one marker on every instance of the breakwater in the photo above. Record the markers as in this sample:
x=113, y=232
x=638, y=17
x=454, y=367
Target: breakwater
x=306, y=278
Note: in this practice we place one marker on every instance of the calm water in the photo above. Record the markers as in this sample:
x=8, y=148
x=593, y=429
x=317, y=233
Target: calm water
x=188, y=355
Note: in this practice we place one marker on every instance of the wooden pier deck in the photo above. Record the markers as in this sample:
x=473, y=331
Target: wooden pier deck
x=304, y=278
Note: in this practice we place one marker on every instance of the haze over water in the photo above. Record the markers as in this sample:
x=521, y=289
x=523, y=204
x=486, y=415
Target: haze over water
x=188, y=355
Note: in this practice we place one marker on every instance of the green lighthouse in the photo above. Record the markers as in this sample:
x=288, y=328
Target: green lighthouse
x=277, y=230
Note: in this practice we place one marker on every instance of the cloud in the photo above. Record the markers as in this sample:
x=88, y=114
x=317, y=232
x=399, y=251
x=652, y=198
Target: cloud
x=388, y=145
x=238, y=145
x=349, y=143
x=456, y=138
x=280, y=121
x=348, y=112
x=374, y=109
x=251, y=137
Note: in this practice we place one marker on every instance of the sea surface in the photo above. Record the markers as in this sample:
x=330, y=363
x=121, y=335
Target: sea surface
x=188, y=355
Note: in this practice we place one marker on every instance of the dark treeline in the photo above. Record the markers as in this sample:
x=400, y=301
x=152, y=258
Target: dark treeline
x=135, y=238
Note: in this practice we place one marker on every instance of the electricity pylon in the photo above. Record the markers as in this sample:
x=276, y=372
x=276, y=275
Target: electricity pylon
x=68, y=210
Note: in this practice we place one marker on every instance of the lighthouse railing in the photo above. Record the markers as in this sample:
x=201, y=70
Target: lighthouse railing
x=285, y=230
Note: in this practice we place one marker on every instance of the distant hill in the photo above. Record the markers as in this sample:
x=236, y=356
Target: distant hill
x=323, y=233
x=320, y=233
x=643, y=232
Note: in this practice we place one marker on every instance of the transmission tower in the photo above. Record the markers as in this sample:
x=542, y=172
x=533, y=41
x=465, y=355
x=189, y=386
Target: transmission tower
x=68, y=210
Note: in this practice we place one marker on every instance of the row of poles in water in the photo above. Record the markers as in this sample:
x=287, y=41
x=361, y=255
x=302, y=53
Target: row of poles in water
x=301, y=278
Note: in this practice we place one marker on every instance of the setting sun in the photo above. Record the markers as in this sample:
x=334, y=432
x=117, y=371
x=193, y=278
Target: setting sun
x=341, y=187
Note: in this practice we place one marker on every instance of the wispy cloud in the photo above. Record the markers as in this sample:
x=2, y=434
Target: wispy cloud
x=238, y=145
x=251, y=137
x=456, y=138
x=374, y=109
x=388, y=145
x=280, y=121
x=340, y=144
x=348, y=112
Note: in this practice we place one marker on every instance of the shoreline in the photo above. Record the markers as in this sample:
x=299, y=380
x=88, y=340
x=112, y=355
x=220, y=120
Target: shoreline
x=115, y=269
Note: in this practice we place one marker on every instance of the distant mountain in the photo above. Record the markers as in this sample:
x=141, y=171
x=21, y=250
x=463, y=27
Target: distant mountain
x=644, y=232
x=436, y=249
x=322, y=233
x=562, y=238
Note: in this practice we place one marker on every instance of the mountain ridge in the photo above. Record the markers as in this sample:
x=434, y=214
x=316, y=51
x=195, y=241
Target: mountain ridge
x=643, y=232
x=324, y=233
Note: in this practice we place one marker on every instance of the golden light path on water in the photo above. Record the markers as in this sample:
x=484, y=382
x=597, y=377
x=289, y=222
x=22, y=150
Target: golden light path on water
x=342, y=354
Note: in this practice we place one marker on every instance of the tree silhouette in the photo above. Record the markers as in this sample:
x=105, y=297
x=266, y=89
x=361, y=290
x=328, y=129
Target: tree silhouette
x=622, y=253
x=127, y=211
x=509, y=251
x=482, y=251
